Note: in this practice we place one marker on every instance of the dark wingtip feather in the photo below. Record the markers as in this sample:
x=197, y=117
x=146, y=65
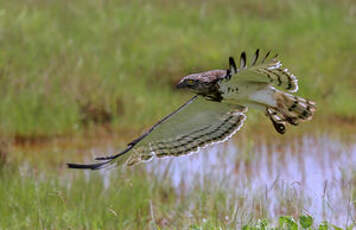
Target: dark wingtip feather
x=243, y=60
x=104, y=158
x=232, y=65
x=266, y=56
x=130, y=146
x=228, y=74
x=87, y=166
x=255, y=57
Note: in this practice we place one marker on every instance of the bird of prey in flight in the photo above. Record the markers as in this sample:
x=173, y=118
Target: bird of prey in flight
x=217, y=110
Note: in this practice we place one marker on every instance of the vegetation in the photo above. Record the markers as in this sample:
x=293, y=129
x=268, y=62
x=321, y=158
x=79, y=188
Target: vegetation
x=89, y=68
x=128, y=199
x=67, y=65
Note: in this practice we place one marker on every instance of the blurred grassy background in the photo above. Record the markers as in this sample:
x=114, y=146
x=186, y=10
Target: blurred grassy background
x=78, y=67
x=69, y=65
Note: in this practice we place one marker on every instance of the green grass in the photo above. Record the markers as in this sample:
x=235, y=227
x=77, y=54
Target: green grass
x=68, y=67
x=37, y=191
x=123, y=58
x=135, y=199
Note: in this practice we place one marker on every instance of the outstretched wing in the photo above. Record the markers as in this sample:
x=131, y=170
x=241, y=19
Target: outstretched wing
x=266, y=69
x=195, y=124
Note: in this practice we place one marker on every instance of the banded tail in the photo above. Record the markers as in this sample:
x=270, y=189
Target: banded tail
x=293, y=109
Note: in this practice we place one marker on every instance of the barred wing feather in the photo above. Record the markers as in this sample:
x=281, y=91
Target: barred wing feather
x=266, y=69
x=195, y=124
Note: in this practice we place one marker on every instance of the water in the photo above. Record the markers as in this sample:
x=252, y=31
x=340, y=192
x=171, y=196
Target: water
x=306, y=175
x=268, y=177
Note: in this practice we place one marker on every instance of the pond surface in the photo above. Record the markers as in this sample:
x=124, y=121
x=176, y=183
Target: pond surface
x=268, y=176
x=306, y=175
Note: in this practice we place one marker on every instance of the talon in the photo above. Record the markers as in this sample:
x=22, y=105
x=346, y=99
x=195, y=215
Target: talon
x=280, y=128
x=278, y=125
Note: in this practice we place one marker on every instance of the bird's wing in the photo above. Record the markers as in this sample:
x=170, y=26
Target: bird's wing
x=195, y=124
x=266, y=69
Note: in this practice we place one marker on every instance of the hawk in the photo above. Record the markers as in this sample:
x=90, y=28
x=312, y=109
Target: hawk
x=217, y=110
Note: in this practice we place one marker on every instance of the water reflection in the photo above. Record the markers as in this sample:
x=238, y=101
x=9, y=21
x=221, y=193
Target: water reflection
x=310, y=175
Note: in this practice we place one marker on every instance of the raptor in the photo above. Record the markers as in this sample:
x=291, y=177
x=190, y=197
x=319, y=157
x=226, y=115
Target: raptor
x=217, y=110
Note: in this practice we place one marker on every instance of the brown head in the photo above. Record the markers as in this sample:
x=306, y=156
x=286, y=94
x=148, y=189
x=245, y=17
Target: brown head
x=202, y=83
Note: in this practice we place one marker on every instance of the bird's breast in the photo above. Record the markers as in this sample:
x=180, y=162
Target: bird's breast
x=238, y=90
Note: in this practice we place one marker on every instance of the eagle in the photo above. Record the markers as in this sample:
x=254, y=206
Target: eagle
x=217, y=110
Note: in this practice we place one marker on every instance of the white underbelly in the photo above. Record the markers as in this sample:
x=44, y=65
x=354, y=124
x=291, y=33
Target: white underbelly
x=249, y=94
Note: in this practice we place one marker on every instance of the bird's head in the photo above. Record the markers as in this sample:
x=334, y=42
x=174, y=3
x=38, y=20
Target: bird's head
x=201, y=82
x=190, y=82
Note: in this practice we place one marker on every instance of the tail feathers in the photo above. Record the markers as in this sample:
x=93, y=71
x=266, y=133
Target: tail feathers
x=294, y=109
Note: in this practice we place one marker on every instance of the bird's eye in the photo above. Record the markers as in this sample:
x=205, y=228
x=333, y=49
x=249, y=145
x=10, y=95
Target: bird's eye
x=190, y=82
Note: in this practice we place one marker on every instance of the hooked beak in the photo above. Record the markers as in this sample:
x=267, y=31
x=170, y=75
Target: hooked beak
x=180, y=85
